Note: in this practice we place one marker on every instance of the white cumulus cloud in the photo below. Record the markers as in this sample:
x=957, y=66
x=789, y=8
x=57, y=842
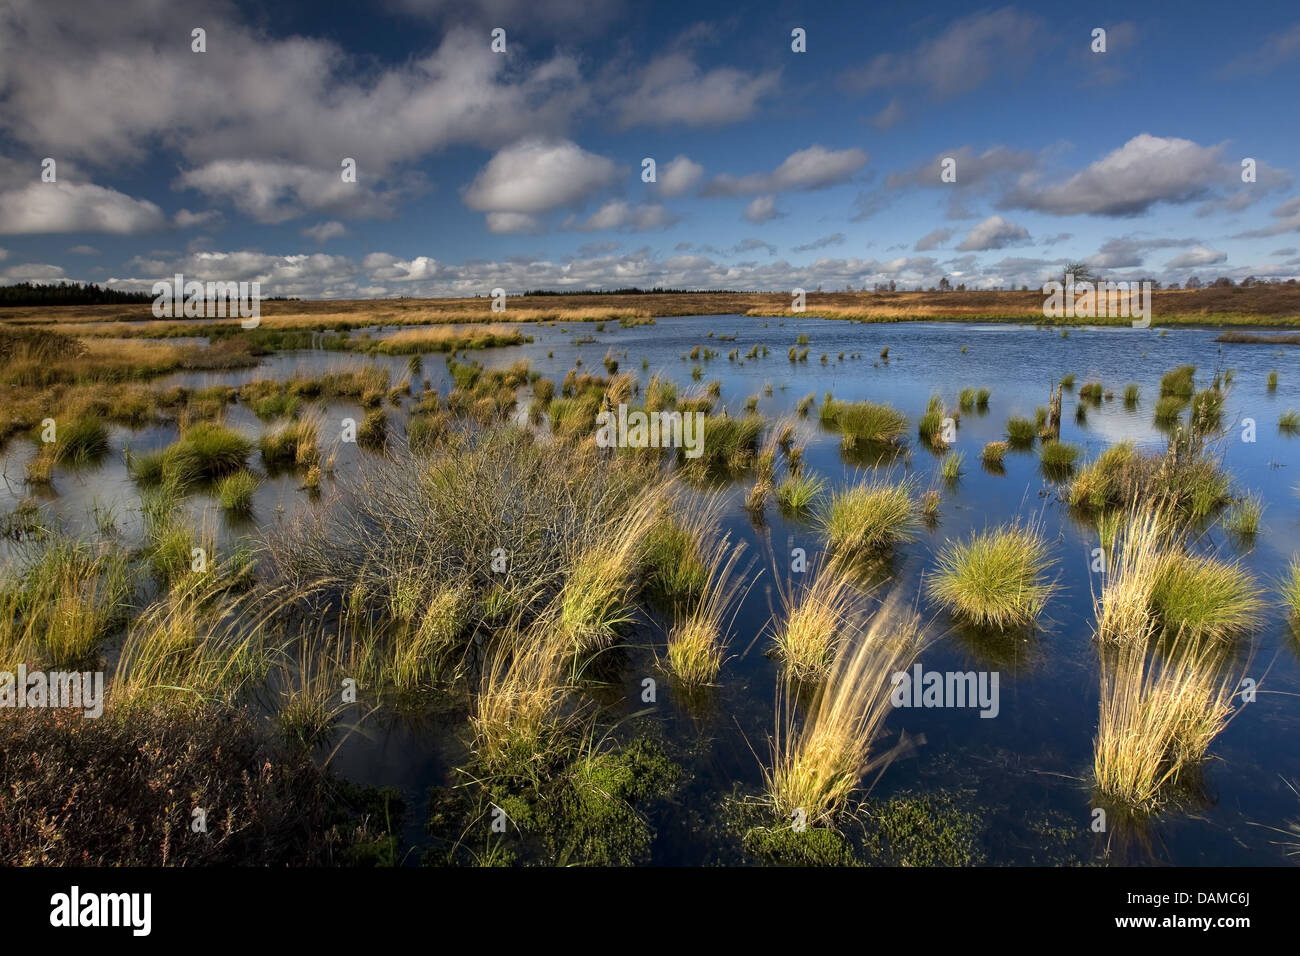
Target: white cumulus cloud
x=75, y=207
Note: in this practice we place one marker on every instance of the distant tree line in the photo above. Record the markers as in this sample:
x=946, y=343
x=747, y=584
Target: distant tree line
x=65, y=293
x=77, y=293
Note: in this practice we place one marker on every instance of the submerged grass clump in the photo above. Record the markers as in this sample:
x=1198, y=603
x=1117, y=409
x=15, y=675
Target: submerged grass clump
x=951, y=468
x=372, y=433
x=995, y=579
x=1290, y=589
x=1021, y=432
x=930, y=427
x=235, y=492
x=1179, y=383
x=204, y=453
x=1059, y=457
x=728, y=448
x=1155, y=587
x=1204, y=597
x=1207, y=409
x=1244, y=516
x=1112, y=479
x=518, y=717
x=1192, y=485
x=433, y=628
x=189, y=648
x=80, y=440
x=1161, y=710
x=864, y=422
x=674, y=567
x=869, y=517
x=1169, y=410
x=798, y=492
x=599, y=590
x=294, y=445
x=994, y=452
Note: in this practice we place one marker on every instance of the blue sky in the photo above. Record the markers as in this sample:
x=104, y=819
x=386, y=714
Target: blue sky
x=522, y=170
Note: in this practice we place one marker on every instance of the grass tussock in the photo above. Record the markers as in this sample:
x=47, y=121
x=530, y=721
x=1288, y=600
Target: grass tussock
x=798, y=493
x=194, y=645
x=1058, y=457
x=697, y=641
x=1160, y=710
x=60, y=601
x=1191, y=485
x=293, y=445
x=870, y=517
x=814, y=618
x=1290, y=590
x=951, y=469
x=1178, y=383
x=235, y=492
x=444, y=339
x=203, y=454
x=1205, y=597
x=598, y=594
x=1124, y=609
x=1021, y=432
x=518, y=715
x=433, y=627
x=80, y=440
x=930, y=427
x=729, y=447
x=995, y=579
x=818, y=763
x=526, y=525
x=1245, y=517
x=864, y=422
x=994, y=452
x=1158, y=718
x=675, y=568
x=1154, y=586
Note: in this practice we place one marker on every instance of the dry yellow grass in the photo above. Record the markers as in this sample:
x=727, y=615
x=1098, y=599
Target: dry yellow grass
x=369, y=313
x=599, y=592
x=818, y=764
x=186, y=648
x=518, y=710
x=440, y=338
x=1124, y=608
x=1260, y=305
x=1159, y=710
x=698, y=642
x=1157, y=718
x=814, y=618
x=100, y=361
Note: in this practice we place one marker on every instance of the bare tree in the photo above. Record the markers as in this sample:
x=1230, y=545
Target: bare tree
x=1079, y=270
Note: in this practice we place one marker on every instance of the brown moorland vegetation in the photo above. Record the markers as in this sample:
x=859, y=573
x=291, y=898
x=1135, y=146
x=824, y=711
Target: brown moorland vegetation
x=1263, y=305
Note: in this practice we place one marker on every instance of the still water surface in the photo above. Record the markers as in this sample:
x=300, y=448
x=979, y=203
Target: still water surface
x=1024, y=772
